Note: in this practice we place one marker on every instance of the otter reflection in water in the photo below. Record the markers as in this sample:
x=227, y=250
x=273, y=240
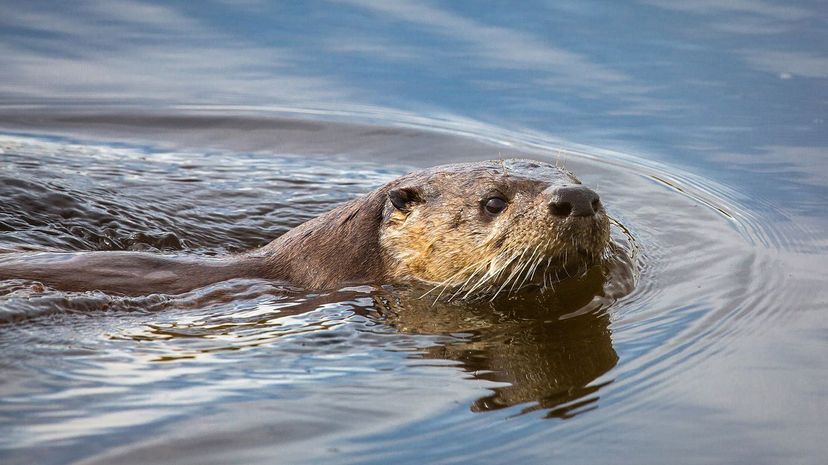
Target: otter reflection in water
x=548, y=362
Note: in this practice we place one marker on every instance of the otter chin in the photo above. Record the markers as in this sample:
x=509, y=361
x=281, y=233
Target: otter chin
x=466, y=230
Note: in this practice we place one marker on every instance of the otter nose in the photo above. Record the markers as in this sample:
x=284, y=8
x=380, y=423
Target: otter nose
x=573, y=200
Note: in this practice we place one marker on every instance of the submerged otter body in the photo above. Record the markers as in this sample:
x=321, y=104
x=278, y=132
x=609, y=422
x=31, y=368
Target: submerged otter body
x=472, y=228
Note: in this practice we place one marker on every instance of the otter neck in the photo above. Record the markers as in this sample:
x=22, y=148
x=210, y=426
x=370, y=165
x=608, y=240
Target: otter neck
x=335, y=249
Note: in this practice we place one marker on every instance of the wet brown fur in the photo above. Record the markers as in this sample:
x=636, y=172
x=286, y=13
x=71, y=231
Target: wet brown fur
x=449, y=242
x=440, y=236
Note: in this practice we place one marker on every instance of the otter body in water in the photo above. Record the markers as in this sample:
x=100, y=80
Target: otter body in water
x=472, y=228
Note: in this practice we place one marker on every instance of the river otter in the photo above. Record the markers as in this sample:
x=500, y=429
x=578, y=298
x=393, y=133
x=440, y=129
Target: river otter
x=467, y=229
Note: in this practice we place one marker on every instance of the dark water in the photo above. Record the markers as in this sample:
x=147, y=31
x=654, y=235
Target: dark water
x=208, y=129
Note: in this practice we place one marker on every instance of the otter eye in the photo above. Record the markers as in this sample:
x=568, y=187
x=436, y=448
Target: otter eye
x=495, y=205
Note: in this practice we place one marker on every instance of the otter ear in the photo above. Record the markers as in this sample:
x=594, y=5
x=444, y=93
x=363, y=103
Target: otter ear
x=403, y=198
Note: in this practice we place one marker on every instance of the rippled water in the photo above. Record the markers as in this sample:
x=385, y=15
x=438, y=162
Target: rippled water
x=247, y=368
x=213, y=129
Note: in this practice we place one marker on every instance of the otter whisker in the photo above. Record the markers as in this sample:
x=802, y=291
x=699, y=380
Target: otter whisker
x=517, y=268
x=443, y=283
x=516, y=271
x=491, y=275
x=479, y=282
x=499, y=264
x=533, y=262
x=447, y=282
x=480, y=267
x=465, y=283
x=529, y=268
x=546, y=274
x=539, y=260
x=531, y=273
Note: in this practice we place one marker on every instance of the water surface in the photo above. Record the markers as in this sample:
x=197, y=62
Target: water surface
x=213, y=129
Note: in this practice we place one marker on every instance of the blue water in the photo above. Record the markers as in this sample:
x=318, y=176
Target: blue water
x=702, y=124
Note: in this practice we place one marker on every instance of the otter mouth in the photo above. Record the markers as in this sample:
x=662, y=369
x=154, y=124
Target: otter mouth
x=542, y=273
x=571, y=262
x=580, y=243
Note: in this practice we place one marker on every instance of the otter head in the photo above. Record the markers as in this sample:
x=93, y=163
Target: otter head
x=482, y=228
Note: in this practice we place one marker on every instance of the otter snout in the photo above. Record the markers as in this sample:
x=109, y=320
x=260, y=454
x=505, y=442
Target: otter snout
x=575, y=200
